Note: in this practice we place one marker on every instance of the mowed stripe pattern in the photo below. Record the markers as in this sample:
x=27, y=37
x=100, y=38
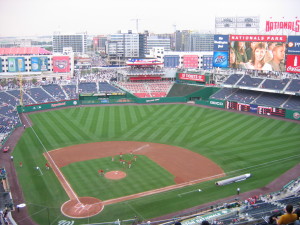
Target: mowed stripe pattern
x=233, y=141
x=213, y=133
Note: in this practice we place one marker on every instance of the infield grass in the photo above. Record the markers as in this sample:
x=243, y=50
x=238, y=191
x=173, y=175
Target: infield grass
x=238, y=143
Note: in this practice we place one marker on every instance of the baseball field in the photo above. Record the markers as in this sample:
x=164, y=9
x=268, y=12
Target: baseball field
x=180, y=146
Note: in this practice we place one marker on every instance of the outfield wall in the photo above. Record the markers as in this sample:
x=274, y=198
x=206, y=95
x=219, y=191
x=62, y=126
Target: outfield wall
x=52, y=105
x=293, y=115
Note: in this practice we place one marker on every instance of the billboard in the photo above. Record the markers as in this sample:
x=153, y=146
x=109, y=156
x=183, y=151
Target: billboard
x=39, y=64
x=12, y=65
x=20, y=64
x=220, y=59
x=192, y=77
x=283, y=25
x=61, y=64
x=190, y=61
x=293, y=46
x=258, y=52
x=293, y=63
x=221, y=42
x=207, y=62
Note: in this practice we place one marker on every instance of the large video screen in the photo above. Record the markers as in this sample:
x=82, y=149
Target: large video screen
x=258, y=52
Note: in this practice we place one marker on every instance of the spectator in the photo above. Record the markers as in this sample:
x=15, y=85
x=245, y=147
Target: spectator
x=278, y=57
x=288, y=217
x=205, y=222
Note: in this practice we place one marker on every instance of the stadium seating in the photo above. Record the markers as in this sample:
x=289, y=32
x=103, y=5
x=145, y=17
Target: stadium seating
x=26, y=99
x=244, y=96
x=271, y=99
x=232, y=79
x=70, y=90
x=39, y=95
x=293, y=103
x=87, y=88
x=274, y=84
x=294, y=86
x=148, y=89
x=56, y=91
x=248, y=81
x=223, y=93
x=105, y=87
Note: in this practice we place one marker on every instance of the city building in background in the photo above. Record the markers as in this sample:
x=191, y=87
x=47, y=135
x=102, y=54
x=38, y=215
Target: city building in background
x=155, y=41
x=99, y=43
x=122, y=46
x=193, y=41
x=78, y=42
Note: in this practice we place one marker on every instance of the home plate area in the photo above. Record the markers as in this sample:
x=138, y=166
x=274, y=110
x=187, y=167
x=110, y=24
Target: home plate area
x=86, y=207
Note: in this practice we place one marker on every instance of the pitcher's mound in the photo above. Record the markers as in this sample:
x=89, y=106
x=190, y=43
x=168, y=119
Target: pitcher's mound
x=115, y=175
x=86, y=207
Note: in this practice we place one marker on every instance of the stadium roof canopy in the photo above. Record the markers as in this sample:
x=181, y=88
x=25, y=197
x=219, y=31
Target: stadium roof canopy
x=24, y=51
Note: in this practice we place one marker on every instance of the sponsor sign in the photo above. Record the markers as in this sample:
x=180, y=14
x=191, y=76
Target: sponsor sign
x=20, y=64
x=220, y=59
x=12, y=66
x=293, y=46
x=193, y=77
x=61, y=64
x=253, y=108
x=39, y=64
x=293, y=63
x=221, y=42
x=217, y=103
x=296, y=115
x=283, y=25
x=258, y=38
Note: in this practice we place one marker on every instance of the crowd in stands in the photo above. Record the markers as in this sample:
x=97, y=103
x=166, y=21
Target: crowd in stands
x=147, y=89
x=99, y=75
x=281, y=207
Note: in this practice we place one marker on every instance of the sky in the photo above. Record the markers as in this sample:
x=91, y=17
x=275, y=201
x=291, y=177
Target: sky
x=41, y=17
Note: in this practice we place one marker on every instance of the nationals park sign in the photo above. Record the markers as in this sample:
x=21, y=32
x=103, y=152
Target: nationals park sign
x=192, y=77
x=283, y=25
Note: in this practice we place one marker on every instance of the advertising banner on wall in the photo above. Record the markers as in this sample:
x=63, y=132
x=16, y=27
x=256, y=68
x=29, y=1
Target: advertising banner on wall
x=190, y=61
x=20, y=64
x=39, y=64
x=253, y=108
x=293, y=63
x=221, y=43
x=258, y=52
x=193, y=77
x=61, y=64
x=220, y=59
x=12, y=66
x=293, y=46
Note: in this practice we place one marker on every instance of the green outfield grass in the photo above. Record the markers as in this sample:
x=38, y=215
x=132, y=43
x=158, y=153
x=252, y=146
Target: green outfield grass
x=239, y=143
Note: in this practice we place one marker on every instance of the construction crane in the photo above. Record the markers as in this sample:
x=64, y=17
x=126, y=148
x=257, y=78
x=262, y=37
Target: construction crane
x=136, y=24
x=21, y=88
